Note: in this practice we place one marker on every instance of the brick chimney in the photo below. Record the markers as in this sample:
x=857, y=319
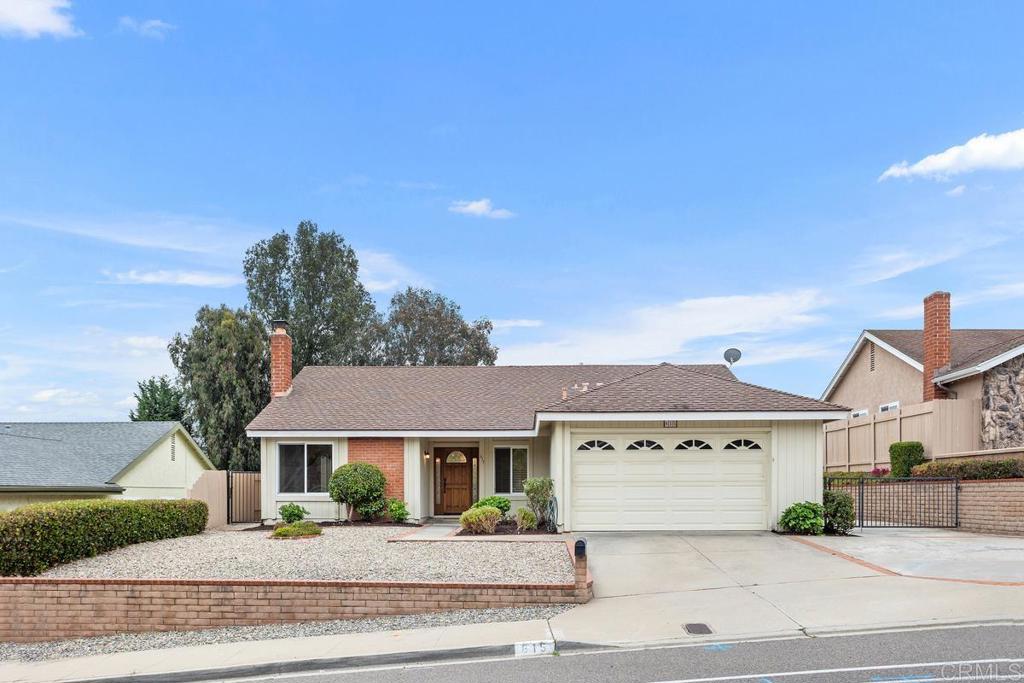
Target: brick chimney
x=280, y=359
x=936, y=342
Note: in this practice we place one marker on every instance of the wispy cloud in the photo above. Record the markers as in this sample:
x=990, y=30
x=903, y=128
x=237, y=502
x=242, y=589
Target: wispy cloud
x=37, y=18
x=665, y=331
x=150, y=342
x=188, y=278
x=418, y=185
x=381, y=272
x=481, y=208
x=63, y=396
x=1003, y=152
x=157, y=29
x=505, y=324
x=885, y=262
x=12, y=268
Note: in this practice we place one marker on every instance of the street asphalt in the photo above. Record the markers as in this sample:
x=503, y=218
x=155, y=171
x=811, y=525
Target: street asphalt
x=981, y=653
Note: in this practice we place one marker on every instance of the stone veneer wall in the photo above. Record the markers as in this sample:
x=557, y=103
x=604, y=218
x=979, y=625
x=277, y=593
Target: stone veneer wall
x=1002, y=405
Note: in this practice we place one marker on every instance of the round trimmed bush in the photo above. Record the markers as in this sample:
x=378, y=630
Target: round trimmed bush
x=360, y=486
x=482, y=520
x=804, y=518
x=503, y=504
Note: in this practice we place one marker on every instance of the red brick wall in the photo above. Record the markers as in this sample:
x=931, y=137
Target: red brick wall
x=388, y=454
x=993, y=506
x=936, y=342
x=36, y=609
x=280, y=363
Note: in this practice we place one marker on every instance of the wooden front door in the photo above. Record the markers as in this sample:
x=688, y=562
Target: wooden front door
x=456, y=479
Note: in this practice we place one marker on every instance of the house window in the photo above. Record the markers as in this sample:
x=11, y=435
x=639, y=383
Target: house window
x=510, y=468
x=889, y=407
x=595, y=445
x=644, y=445
x=743, y=445
x=860, y=412
x=303, y=467
x=693, y=445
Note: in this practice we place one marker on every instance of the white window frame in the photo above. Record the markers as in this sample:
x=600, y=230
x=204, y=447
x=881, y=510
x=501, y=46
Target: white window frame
x=305, y=468
x=889, y=407
x=860, y=412
x=494, y=471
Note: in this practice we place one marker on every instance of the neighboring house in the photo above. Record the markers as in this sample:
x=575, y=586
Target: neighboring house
x=48, y=461
x=628, y=447
x=889, y=369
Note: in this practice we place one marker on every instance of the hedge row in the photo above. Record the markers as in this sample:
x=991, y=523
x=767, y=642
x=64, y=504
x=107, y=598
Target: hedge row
x=972, y=468
x=36, y=537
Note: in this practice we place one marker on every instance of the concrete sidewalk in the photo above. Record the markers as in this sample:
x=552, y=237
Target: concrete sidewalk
x=211, y=662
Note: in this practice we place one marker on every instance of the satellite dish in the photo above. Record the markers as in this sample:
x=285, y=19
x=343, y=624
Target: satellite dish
x=731, y=356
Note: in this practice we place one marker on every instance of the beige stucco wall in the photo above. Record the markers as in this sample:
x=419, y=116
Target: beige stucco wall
x=892, y=380
x=968, y=387
x=9, y=501
x=163, y=474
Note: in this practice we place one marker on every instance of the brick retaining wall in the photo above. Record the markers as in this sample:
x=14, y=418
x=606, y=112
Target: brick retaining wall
x=37, y=609
x=992, y=506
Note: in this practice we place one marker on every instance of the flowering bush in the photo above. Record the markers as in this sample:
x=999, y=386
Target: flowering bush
x=880, y=472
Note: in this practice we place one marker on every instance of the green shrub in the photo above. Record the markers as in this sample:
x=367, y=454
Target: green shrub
x=292, y=512
x=539, y=492
x=397, y=510
x=359, y=485
x=503, y=504
x=839, y=514
x=480, y=520
x=803, y=518
x=296, y=529
x=904, y=455
x=971, y=468
x=525, y=519
x=36, y=537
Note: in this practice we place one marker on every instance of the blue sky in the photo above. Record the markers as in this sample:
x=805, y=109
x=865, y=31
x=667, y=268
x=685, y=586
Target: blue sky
x=607, y=182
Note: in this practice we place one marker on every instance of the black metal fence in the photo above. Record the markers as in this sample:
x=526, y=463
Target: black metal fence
x=244, y=497
x=919, y=502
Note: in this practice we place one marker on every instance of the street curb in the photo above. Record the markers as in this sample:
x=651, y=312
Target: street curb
x=297, y=666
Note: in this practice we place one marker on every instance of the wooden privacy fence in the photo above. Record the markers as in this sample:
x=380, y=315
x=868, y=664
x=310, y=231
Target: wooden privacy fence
x=211, y=488
x=947, y=428
x=244, y=497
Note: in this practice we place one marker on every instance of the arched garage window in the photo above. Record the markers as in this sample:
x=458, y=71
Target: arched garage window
x=693, y=445
x=743, y=445
x=644, y=445
x=595, y=445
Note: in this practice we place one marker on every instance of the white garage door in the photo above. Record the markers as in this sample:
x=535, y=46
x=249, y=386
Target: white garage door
x=689, y=482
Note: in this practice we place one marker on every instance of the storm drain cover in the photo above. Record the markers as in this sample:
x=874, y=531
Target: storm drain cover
x=697, y=629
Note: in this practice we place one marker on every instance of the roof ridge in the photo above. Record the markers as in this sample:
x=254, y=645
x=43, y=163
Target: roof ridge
x=561, y=402
x=758, y=386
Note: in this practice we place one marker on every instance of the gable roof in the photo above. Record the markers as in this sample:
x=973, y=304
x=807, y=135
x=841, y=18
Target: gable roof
x=475, y=398
x=970, y=350
x=75, y=456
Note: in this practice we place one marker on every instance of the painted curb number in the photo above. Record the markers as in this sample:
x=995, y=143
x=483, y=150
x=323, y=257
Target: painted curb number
x=532, y=648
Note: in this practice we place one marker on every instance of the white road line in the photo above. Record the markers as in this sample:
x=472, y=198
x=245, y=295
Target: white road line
x=851, y=669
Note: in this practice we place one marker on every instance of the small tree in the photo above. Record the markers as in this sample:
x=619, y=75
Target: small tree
x=157, y=399
x=360, y=486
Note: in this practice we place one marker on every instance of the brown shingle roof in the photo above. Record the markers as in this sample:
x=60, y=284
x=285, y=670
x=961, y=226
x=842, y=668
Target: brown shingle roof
x=675, y=388
x=968, y=347
x=491, y=397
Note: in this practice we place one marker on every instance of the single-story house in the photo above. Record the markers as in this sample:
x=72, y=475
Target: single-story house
x=48, y=461
x=628, y=446
x=889, y=369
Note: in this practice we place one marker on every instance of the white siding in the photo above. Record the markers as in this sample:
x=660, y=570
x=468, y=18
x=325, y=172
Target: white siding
x=164, y=472
x=797, y=464
x=319, y=505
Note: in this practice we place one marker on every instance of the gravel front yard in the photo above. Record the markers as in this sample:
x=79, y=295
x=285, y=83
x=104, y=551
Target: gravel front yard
x=341, y=553
x=131, y=642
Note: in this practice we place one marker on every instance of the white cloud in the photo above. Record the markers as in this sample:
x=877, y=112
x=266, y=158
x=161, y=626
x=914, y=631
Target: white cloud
x=64, y=397
x=36, y=18
x=190, y=278
x=147, y=28
x=885, y=262
x=381, y=272
x=956, y=191
x=1003, y=152
x=516, y=322
x=145, y=343
x=479, y=207
x=663, y=331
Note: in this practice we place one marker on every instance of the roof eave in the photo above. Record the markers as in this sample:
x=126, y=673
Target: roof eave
x=721, y=415
x=73, y=488
x=980, y=367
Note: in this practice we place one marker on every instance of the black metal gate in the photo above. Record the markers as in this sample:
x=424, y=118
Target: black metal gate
x=921, y=502
x=244, y=497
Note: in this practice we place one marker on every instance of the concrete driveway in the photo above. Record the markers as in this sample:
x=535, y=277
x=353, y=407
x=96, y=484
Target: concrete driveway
x=647, y=586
